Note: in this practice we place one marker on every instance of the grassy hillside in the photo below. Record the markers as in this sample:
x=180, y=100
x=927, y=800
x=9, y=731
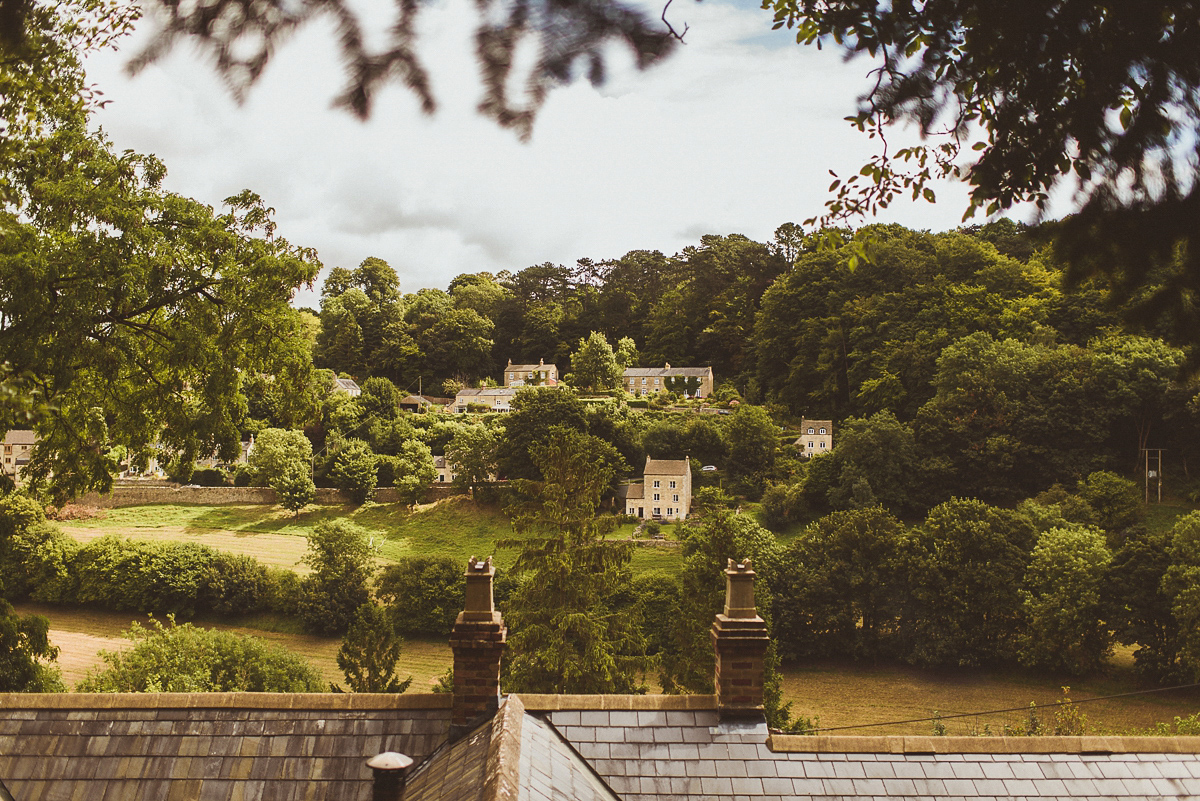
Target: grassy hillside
x=454, y=527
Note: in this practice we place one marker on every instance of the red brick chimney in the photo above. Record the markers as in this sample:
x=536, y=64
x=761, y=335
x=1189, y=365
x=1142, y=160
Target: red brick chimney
x=477, y=641
x=740, y=640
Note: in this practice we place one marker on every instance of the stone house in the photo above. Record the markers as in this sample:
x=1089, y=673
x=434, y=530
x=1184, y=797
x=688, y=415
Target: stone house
x=816, y=437
x=496, y=399
x=530, y=375
x=347, y=385
x=478, y=744
x=428, y=403
x=665, y=492
x=18, y=443
x=696, y=382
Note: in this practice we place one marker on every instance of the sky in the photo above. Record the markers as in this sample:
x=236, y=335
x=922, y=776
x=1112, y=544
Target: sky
x=736, y=132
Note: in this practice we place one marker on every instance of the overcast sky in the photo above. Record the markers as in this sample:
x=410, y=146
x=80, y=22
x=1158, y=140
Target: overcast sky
x=735, y=133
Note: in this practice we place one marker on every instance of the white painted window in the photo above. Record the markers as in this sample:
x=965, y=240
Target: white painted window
x=657, y=483
x=675, y=498
x=810, y=444
x=672, y=485
x=822, y=431
x=643, y=382
x=670, y=511
x=656, y=497
x=811, y=431
x=822, y=446
x=657, y=510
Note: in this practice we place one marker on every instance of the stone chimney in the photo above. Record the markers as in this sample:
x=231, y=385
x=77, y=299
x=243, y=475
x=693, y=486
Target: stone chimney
x=477, y=641
x=667, y=365
x=740, y=640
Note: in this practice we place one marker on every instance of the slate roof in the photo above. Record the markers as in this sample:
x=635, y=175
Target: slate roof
x=489, y=391
x=637, y=372
x=20, y=436
x=537, y=747
x=673, y=749
x=208, y=745
x=666, y=467
x=513, y=755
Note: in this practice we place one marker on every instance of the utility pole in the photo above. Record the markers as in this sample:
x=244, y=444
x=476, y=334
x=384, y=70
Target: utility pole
x=1155, y=473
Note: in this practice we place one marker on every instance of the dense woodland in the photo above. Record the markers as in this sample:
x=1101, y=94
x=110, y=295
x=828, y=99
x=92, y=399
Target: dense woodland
x=976, y=508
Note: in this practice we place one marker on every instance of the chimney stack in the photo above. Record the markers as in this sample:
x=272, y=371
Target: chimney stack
x=740, y=640
x=477, y=641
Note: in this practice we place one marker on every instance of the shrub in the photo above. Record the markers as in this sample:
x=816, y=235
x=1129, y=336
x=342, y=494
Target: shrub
x=184, y=658
x=340, y=558
x=423, y=594
x=208, y=477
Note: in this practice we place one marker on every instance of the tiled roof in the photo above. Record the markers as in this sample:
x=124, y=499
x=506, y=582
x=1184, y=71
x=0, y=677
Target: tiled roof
x=537, y=747
x=20, y=436
x=513, y=755
x=666, y=467
x=637, y=372
x=488, y=391
x=208, y=745
x=635, y=492
x=662, y=754
x=527, y=368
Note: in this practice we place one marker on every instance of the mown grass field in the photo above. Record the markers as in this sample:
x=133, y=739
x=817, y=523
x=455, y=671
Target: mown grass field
x=837, y=694
x=454, y=527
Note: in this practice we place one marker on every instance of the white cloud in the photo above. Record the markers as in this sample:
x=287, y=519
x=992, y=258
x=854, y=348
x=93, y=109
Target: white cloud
x=733, y=133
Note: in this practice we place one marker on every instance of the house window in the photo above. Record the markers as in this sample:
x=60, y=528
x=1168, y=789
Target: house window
x=822, y=446
x=822, y=431
x=672, y=485
x=657, y=511
x=442, y=477
x=811, y=431
x=656, y=497
x=656, y=382
x=810, y=444
x=675, y=498
x=670, y=511
x=643, y=382
x=657, y=483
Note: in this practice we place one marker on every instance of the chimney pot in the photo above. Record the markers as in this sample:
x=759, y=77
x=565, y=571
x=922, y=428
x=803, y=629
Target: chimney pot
x=390, y=771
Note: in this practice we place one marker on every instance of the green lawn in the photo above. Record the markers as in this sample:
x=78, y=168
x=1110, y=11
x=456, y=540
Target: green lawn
x=455, y=527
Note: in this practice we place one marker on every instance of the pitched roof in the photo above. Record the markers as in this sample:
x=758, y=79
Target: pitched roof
x=528, y=368
x=698, y=372
x=515, y=755
x=666, y=467
x=20, y=436
x=346, y=384
x=209, y=745
x=537, y=747
x=487, y=392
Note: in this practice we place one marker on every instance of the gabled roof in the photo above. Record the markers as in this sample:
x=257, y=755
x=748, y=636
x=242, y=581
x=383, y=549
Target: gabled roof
x=209, y=745
x=667, y=467
x=487, y=392
x=425, y=400
x=346, y=385
x=697, y=372
x=513, y=755
x=529, y=368
x=20, y=436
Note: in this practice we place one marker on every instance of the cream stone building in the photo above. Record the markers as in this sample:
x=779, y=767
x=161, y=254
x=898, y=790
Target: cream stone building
x=496, y=399
x=816, y=437
x=694, y=381
x=17, y=446
x=530, y=375
x=665, y=492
